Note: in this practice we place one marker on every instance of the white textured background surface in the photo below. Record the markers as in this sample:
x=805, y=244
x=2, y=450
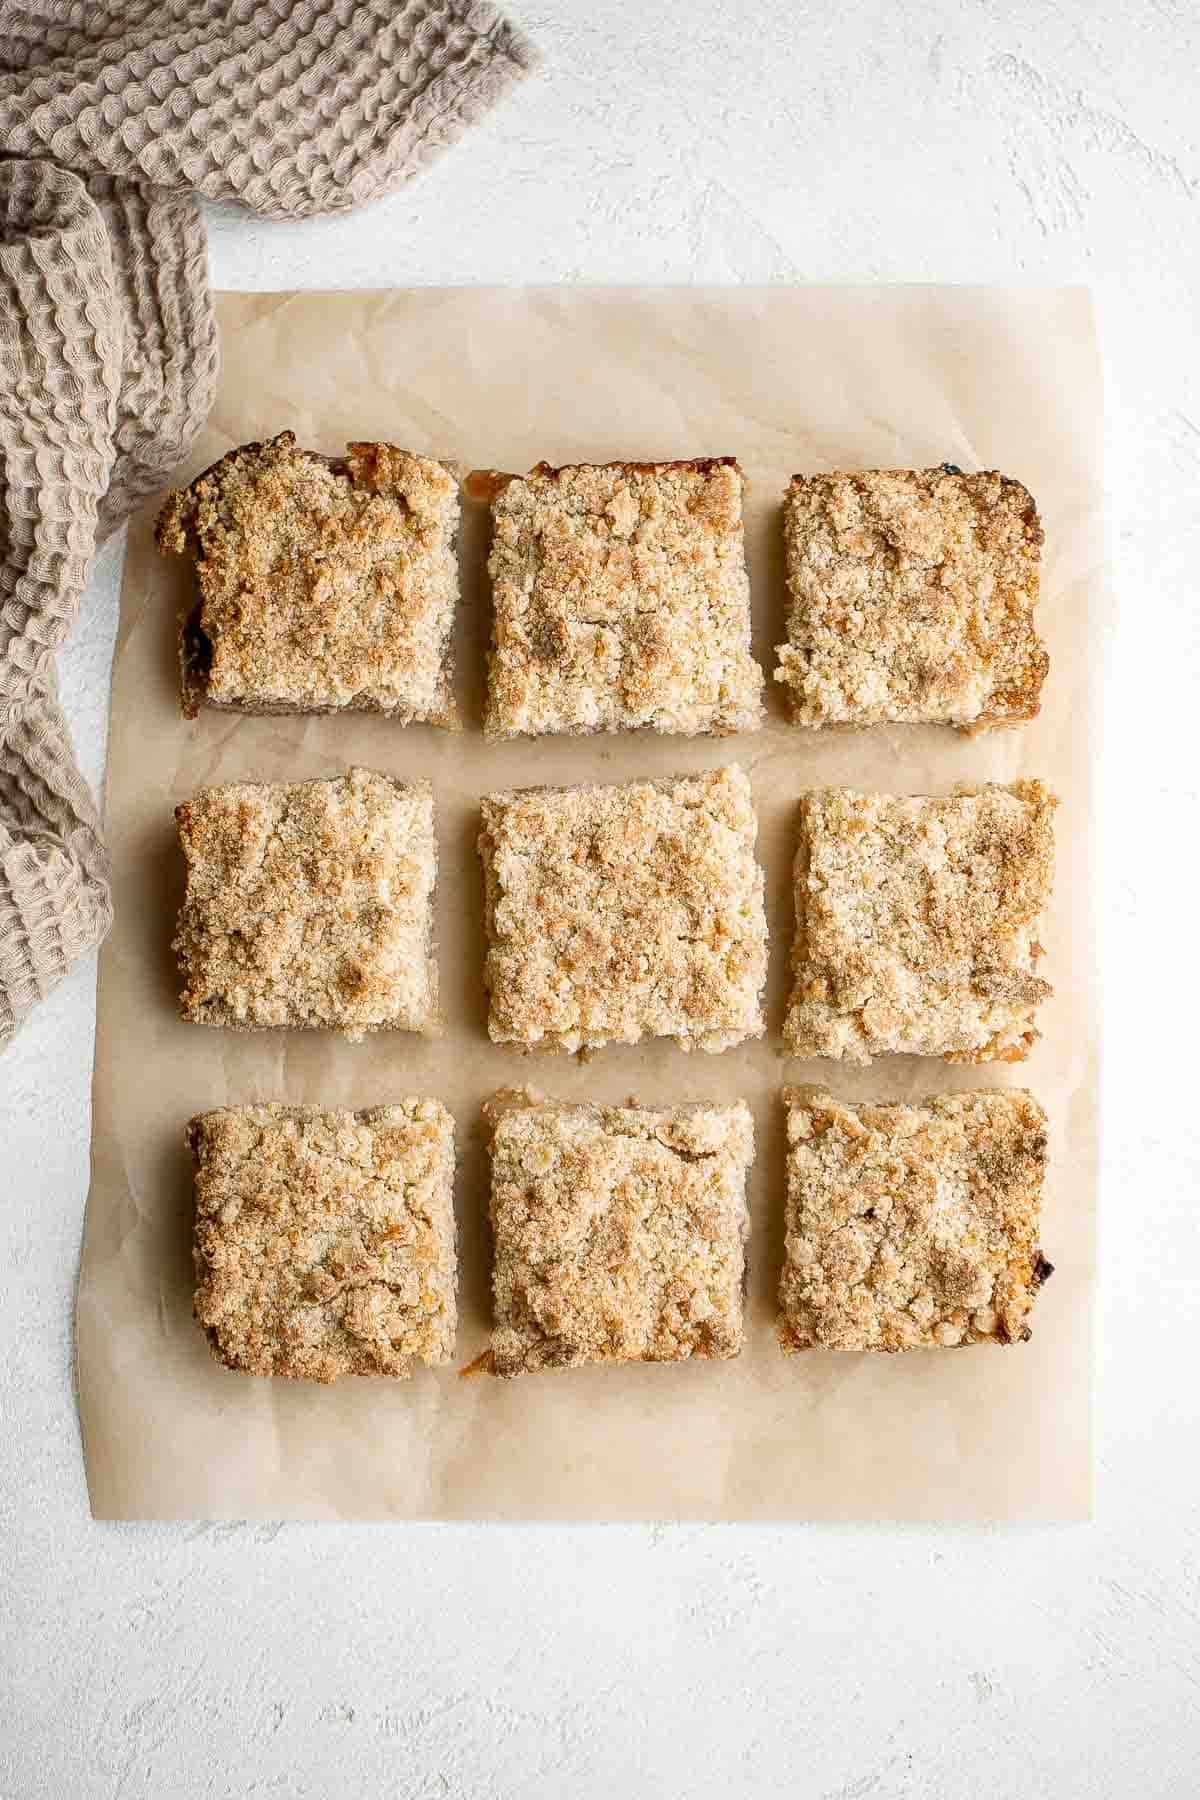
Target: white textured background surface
x=677, y=140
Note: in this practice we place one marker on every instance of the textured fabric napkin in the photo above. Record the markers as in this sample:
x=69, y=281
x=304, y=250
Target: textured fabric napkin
x=112, y=118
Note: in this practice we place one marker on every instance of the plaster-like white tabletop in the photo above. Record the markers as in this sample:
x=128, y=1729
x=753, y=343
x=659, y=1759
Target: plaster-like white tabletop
x=957, y=140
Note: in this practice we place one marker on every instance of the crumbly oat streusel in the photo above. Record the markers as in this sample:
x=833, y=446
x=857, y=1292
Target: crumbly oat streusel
x=621, y=600
x=321, y=583
x=912, y=1226
x=916, y=923
x=619, y=1232
x=617, y=913
x=324, y=1241
x=309, y=904
x=912, y=594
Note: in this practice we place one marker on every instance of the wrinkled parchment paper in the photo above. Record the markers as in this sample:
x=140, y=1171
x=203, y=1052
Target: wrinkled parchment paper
x=787, y=379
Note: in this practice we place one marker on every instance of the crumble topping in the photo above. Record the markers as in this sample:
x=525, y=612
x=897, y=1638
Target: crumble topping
x=912, y=1226
x=912, y=598
x=321, y=583
x=324, y=1241
x=621, y=600
x=619, y=1232
x=617, y=913
x=309, y=904
x=916, y=923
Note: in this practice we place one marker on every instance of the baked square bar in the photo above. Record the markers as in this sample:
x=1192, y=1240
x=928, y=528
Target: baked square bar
x=324, y=1241
x=621, y=600
x=912, y=1227
x=618, y=913
x=619, y=1232
x=912, y=594
x=322, y=584
x=309, y=904
x=916, y=923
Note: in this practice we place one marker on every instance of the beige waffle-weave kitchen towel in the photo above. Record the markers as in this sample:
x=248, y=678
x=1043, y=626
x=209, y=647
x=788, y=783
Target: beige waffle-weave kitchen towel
x=112, y=117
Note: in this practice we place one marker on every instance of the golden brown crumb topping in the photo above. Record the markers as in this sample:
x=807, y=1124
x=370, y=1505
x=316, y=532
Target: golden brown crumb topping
x=912, y=596
x=619, y=1232
x=309, y=904
x=617, y=913
x=912, y=1226
x=916, y=923
x=324, y=1241
x=321, y=583
x=621, y=600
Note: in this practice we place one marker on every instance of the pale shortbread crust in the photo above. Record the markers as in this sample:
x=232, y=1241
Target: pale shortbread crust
x=309, y=904
x=912, y=1226
x=912, y=594
x=617, y=913
x=324, y=1241
x=619, y=1232
x=621, y=601
x=917, y=921
x=322, y=583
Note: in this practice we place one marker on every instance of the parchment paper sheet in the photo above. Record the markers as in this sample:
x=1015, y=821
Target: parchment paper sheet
x=786, y=379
